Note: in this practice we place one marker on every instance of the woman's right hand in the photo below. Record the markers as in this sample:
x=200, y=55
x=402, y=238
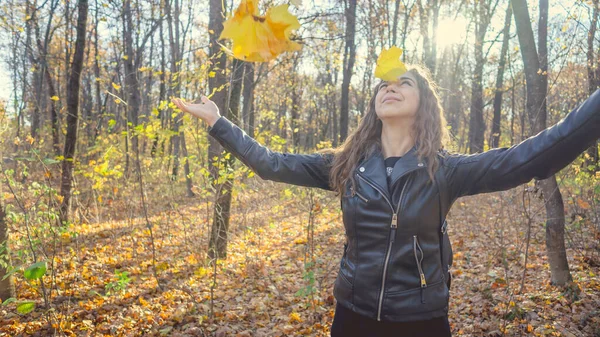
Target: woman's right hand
x=207, y=110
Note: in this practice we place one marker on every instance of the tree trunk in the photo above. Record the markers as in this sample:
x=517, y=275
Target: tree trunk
x=177, y=139
x=476, y=121
x=132, y=84
x=162, y=88
x=349, y=58
x=7, y=285
x=217, y=248
x=38, y=75
x=424, y=29
x=433, y=52
x=407, y=17
x=53, y=113
x=173, y=26
x=73, y=111
x=495, y=137
x=248, y=97
x=593, y=78
x=395, y=22
x=98, y=120
x=536, y=109
x=295, y=109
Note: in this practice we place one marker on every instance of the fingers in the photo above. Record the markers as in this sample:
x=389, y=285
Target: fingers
x=176, y=101
x=179, y=103
x=183, y=104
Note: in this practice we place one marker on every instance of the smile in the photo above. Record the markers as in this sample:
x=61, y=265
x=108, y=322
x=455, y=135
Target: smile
x=388, y=99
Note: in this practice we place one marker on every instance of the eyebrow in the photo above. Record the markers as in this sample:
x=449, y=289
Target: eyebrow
x=406, y=78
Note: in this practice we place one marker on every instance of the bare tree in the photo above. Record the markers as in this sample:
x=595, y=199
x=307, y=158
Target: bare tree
x=483, y=12
x=73, y=110
x=217, y=245
x=495, y=136
x=349, y=58
x=593, y=73
x=536, y=109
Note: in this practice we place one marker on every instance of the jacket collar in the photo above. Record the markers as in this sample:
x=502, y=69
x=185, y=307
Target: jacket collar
x=373, y=167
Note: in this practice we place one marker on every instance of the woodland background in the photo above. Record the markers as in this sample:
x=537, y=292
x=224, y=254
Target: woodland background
x=120, y=216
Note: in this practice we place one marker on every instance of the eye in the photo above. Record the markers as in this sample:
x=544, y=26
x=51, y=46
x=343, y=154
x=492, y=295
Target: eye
x=407, y=82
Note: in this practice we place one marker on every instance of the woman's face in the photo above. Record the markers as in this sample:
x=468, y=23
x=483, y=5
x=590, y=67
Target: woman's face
x=398, y=99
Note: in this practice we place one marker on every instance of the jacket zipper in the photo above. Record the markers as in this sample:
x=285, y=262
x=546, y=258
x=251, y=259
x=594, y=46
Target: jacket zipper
x=378, y=190
x=363, y=198
x=393, y=227
x=421, y=273
x=358, y=194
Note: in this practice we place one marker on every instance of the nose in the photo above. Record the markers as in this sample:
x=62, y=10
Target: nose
x=390, y=87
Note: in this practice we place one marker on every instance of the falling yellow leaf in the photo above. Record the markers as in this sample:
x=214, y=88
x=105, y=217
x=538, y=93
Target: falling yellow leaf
x=116, y=86
x=389, y=67
x=54, y=98
x=260, y=38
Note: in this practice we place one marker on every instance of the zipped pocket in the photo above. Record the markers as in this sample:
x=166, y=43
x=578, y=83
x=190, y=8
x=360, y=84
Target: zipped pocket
x=358, y=194
x=416, y=249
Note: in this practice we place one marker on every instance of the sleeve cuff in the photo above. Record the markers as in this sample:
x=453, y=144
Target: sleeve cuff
x=212, y=130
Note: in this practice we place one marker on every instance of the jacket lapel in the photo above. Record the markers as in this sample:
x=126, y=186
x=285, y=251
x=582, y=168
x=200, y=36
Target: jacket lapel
x=373, y=169
x=408, y=163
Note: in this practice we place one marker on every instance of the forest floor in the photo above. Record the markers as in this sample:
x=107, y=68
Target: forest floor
x=118, y=278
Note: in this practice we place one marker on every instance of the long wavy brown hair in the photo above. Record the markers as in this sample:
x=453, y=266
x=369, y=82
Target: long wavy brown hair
x=429, y=129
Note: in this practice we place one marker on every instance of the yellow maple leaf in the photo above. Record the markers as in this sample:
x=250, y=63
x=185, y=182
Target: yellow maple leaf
x=389, y=67
x=54, y=98
x=259, y=38
x=116, y=86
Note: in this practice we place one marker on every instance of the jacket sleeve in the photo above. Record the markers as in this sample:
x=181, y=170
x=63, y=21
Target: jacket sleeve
x=298, y=169
x=537, y=157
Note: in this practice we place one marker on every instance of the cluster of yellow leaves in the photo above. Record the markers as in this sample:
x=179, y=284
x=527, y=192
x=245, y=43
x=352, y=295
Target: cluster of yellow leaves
x=389, y=67
x=260, y=38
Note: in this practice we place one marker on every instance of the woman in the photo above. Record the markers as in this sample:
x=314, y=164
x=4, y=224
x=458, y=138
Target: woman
x=397, y=186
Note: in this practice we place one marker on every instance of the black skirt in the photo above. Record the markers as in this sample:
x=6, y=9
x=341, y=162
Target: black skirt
x=347, y=323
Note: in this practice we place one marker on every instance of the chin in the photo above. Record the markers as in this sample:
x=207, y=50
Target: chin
x=396, y=115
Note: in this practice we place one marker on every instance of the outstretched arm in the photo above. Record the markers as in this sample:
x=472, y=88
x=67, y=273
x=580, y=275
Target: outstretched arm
x=299, y=169
x=537, y=157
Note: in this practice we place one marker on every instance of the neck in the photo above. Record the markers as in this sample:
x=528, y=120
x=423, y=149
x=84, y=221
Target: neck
x=396, y=137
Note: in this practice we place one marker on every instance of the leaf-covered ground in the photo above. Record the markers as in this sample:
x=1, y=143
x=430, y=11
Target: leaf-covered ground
x=267, y=285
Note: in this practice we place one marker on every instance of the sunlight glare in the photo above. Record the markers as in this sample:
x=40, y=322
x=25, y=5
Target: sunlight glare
x=451, y=32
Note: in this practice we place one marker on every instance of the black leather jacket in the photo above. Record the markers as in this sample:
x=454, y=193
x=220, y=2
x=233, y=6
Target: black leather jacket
x=392, y=268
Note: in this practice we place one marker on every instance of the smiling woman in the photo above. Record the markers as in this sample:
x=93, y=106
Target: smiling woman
x=451, y=31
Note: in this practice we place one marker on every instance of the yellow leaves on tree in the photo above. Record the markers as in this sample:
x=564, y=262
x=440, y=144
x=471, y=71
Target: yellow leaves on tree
x=389, y=67
x=260, y=38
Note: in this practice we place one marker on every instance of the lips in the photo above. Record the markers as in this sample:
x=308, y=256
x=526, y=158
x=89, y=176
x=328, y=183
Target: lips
x=390, y=98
